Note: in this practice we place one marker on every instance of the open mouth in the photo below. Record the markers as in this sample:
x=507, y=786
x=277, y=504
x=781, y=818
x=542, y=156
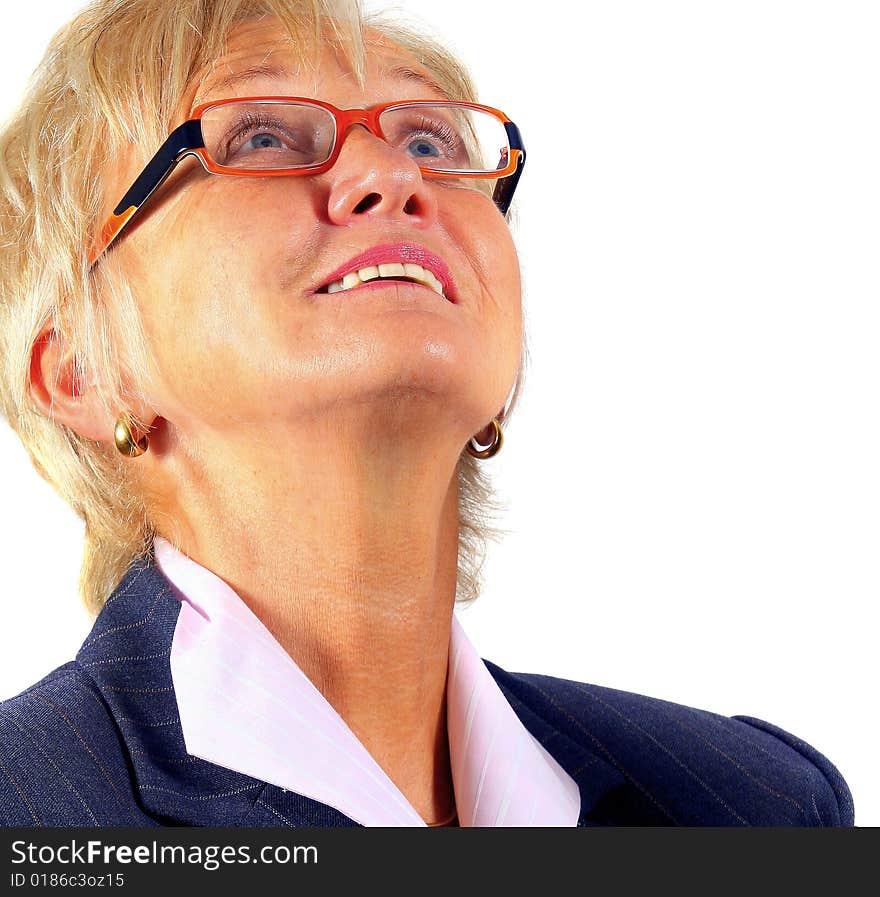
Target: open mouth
x=406, y=272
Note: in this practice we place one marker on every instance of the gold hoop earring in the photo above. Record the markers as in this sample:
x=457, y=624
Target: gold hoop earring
x=125, y=440
x=494, y=446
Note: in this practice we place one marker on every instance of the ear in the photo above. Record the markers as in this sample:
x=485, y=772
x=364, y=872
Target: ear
x=53, y=390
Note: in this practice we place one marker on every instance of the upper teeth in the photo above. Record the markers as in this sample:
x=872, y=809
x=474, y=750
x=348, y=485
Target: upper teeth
x=392, y=269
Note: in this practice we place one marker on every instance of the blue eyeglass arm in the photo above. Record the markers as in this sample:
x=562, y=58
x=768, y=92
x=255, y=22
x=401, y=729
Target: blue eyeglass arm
x=187, y=136
x=505, y=187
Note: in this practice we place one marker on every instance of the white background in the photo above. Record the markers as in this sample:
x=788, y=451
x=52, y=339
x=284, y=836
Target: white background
x=692, y=476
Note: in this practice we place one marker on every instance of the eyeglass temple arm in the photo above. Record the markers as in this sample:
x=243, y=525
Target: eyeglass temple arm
x=187, y=136
x=505, y=187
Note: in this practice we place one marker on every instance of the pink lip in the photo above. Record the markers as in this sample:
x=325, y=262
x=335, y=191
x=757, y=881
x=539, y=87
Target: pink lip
x=398, y=252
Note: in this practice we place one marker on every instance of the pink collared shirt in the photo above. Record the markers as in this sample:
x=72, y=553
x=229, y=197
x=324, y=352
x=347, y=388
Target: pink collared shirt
x=245, y=704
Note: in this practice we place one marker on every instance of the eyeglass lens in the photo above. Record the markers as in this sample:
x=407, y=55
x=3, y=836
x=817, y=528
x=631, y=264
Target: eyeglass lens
x=274, y=135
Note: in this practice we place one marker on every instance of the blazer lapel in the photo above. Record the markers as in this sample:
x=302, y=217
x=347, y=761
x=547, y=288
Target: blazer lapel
x=608, y=796
x=127, y=655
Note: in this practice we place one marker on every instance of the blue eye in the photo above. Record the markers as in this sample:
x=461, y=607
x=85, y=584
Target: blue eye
x=423, y=148
x=264, y=140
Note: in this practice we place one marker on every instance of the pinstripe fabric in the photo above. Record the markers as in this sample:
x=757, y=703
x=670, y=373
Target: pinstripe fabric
x=98, y=742
x=245, y=704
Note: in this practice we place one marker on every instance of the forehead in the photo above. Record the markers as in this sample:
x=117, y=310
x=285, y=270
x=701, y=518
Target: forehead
x=261, y=58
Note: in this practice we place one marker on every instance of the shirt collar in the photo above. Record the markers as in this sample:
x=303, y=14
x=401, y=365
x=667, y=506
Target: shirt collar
x=246, y=705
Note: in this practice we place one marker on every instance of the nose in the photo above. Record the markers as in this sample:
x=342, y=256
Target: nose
x=372, y=178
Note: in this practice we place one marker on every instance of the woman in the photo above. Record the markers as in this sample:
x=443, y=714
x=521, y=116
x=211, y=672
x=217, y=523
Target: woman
x=263, y=325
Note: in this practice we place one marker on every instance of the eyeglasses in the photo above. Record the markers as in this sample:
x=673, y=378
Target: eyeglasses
x=272, y=136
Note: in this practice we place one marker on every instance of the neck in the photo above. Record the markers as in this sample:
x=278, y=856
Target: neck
x=353, y=570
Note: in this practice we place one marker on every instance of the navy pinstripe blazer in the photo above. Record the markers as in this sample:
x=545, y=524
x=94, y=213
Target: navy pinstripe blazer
x=98, y=742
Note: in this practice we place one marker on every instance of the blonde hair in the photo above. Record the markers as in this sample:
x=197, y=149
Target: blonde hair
x=111, y=80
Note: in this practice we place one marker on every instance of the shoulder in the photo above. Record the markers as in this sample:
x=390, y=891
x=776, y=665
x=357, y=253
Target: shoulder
x=697, y=767
x=62, y=761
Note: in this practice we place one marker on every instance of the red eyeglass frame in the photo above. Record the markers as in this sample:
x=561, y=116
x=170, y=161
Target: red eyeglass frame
x=187, y=140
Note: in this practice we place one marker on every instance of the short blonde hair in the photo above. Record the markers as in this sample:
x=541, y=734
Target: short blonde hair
x=109, y=83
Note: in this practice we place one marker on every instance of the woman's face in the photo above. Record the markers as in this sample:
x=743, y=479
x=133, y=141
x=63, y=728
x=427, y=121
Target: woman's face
x=225, y=271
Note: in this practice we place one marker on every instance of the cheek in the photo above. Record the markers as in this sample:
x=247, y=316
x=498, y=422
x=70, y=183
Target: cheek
x=485, y=239
x=496, y=254
x=216, y=256
x=192, y=288
x=245, y=224
x=493, y=256
x=497, y=303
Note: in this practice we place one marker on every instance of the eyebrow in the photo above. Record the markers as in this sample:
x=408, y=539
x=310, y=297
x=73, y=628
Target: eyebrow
x=407, y=74
x=261, y=70
x=278, y=72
